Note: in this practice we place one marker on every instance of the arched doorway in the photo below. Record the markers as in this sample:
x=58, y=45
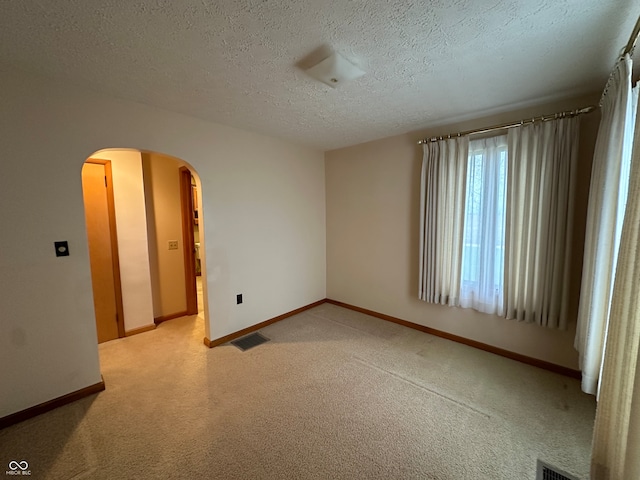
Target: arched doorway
x=154, y=224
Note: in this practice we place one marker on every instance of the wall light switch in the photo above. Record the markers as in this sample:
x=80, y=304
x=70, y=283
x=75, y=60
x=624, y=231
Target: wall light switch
x=62, y=249
x=173, y=244
x=238, y=299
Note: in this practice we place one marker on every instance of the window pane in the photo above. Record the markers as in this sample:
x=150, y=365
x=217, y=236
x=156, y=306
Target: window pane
x=484, y=228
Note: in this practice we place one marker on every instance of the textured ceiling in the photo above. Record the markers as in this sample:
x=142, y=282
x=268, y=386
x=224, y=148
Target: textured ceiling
x=239, y=62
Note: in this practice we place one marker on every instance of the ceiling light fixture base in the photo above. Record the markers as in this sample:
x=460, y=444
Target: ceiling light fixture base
x=335, y=70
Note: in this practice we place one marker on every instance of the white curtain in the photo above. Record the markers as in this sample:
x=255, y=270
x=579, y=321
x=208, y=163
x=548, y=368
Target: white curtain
x=484, y=226
x=444, y=167
x=616, y=441
x=613, y=145
x=540, y=191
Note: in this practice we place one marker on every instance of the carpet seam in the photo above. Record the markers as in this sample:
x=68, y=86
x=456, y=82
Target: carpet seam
x=421, y=387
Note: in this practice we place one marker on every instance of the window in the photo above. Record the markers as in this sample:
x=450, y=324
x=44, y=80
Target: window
x=483, y=246
x=496, y=222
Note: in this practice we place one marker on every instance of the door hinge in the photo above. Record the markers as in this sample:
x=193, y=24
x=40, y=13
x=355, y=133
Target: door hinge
x=116, y=318
x=105, y=180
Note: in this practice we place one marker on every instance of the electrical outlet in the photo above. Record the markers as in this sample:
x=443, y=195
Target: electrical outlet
x=239, y=299
x=173, y=244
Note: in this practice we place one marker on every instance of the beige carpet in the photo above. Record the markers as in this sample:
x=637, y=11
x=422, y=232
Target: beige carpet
x=334, y=395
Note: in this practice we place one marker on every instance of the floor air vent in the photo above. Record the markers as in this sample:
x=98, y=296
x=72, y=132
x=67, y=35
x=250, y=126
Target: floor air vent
x=250, y=341
x=548, y=472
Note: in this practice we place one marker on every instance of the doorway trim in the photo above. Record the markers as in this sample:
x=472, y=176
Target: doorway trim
x=113, y=233
x=186, y=202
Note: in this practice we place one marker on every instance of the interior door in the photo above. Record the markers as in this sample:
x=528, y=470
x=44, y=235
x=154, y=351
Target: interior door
x=103, y=248
x=186, y=200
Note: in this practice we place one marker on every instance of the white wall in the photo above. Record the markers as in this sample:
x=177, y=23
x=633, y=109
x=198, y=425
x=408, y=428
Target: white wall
x=264, y=224
x=131, y=225
x=372, y=238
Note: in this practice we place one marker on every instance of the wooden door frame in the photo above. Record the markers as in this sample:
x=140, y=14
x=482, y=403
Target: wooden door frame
x=113, y=232
x=188, y=243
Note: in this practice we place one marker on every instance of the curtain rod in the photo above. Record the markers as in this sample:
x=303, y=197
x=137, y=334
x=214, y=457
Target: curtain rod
x=628, y=49
x=504, y=126
x=633, y=39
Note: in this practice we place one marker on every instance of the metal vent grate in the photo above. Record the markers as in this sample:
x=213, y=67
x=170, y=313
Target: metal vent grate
x=548, y=472
x=250, y=341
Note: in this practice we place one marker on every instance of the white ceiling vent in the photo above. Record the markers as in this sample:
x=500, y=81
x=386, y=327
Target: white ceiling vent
x=335, y=70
